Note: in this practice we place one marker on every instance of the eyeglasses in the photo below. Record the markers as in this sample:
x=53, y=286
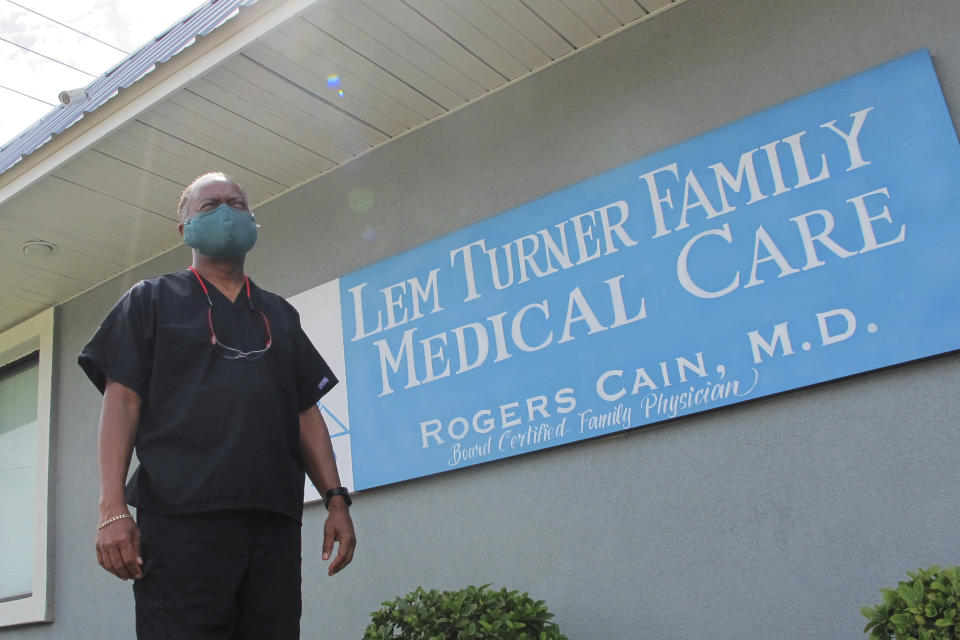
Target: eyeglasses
x=232, y=353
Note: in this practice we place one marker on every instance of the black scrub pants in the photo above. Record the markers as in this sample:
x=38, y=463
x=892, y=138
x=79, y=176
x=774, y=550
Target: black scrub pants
x=224, y=575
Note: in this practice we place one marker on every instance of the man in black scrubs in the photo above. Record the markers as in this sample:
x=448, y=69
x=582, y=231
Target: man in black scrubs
x=216, y=384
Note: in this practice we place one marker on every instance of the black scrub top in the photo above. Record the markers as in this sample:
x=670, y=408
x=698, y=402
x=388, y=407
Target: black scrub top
x=214, y=433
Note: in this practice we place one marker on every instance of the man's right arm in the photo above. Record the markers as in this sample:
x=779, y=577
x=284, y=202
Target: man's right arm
x=118, y=543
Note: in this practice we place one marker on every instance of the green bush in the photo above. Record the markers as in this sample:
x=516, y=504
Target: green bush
x=927, y=607
x=474, y=613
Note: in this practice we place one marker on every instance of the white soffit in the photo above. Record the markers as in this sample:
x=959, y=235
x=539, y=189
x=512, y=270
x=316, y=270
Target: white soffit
x=254, y=98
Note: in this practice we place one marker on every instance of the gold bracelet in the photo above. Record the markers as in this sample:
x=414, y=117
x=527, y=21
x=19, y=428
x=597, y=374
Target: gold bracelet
x=113, y=519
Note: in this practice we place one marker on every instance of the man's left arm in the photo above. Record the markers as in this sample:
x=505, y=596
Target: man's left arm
x=321, y=467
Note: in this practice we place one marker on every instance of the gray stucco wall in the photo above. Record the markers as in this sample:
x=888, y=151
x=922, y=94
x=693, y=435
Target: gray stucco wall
x=774, y=519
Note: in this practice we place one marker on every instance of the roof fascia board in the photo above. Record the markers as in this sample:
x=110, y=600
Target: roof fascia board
x=167, y=78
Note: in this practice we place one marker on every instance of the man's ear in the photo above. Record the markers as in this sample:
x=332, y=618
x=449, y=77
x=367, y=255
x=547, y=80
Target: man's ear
x=180, y=229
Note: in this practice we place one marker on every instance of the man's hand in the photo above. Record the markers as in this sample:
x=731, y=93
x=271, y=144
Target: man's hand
x=338, y=528
x=118, y=543
x=118, y=549
x=321, y=467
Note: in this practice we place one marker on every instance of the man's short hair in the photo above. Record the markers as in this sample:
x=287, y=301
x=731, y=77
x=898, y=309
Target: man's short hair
x=185, y=195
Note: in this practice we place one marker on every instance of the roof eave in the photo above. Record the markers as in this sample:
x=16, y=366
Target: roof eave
x=168, y=77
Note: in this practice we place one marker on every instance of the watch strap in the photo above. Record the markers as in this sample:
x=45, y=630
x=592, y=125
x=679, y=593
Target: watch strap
x=337, y=491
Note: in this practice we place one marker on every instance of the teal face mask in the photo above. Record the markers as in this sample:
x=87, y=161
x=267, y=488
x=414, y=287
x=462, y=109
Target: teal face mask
x=224, y=232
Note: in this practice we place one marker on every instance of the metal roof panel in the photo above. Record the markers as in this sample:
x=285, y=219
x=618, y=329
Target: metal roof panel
x=138, y=64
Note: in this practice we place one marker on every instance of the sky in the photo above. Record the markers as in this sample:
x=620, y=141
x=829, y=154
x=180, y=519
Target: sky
x=122, y=26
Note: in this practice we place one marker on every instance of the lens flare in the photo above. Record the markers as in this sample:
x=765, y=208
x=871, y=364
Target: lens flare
x=360, y=199
x=369, y=235
x=340, y=93
x=333, y=81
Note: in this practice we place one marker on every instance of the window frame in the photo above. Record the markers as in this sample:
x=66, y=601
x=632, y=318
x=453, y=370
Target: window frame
x=35, y=336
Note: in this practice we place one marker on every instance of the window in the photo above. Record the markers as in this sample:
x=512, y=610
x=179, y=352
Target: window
x=25, y=376
x=18, y=476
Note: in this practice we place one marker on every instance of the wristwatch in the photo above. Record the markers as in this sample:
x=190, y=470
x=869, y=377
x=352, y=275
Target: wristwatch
x=337, y=491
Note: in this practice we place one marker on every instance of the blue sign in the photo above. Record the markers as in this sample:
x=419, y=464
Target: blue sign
x=811, y=241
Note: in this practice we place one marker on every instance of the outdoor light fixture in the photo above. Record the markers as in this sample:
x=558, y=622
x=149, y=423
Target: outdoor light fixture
x=73, y=95
x=38, y=248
